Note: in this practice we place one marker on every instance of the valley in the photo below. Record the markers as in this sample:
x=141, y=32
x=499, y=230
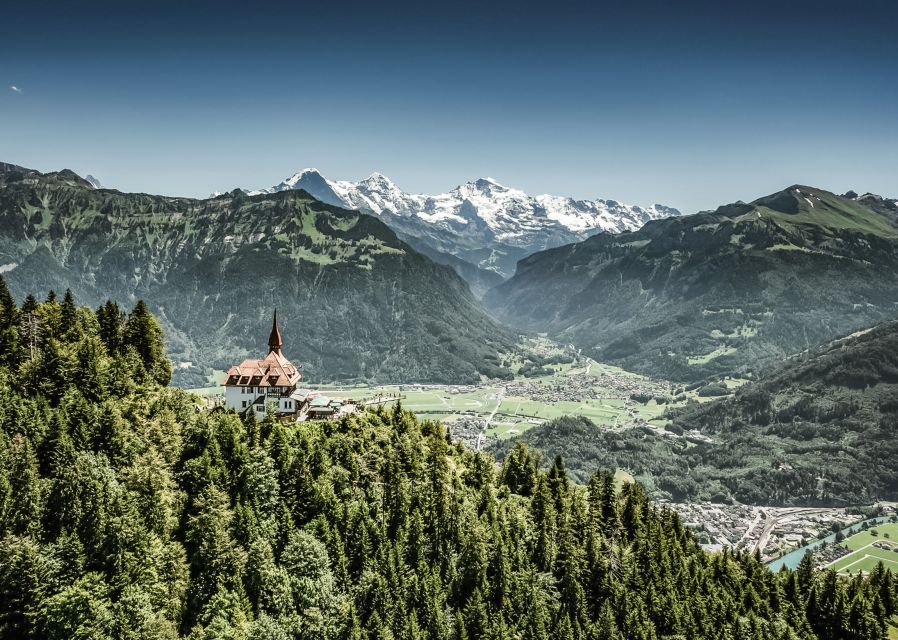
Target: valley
x=585, y=328
x=732, y=291
x=493, y=410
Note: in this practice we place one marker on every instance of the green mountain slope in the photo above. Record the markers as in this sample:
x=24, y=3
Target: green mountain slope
x=127, y=512
x=355, y=301
x=819, y=429
x=731, y=291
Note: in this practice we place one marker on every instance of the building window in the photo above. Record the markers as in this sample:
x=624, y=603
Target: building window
x=243, y=404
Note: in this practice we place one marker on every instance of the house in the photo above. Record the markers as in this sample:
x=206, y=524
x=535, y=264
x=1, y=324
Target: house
x=323, y=407
x=268, y=385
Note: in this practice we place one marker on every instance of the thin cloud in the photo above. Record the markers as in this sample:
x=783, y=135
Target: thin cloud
x=14, y=89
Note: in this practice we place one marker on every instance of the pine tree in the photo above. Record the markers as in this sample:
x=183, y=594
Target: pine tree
x=111, y=322
x=9, y=328
x=23, y=516
x=143, y=333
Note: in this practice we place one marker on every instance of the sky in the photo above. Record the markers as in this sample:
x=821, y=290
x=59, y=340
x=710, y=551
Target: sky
x=689, y=104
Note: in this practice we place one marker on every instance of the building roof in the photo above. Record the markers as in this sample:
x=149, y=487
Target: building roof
x=274, y=370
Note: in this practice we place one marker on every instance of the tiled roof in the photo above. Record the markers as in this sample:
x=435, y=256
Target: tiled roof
x=274, y=370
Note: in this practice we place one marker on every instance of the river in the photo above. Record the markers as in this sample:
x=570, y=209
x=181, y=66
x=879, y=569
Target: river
x=791, y=559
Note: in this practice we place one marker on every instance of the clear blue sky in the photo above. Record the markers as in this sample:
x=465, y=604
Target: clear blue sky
x=690, y=104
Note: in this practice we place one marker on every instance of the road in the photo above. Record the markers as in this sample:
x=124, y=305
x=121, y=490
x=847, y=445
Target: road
x=781, y=518
x=486, y=425
x=759, y=513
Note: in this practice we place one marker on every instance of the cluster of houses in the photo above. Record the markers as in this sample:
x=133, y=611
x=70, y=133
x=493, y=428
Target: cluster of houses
x=271, y=386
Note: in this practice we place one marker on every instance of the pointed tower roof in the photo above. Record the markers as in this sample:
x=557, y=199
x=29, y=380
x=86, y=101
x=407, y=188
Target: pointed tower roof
x=275, y=342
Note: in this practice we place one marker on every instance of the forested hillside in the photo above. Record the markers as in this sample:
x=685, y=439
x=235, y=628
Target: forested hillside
x=728, y=292
x=355, y=302
x=818, y=430
x=126, y=511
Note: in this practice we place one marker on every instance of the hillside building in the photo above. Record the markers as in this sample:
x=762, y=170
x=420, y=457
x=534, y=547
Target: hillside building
x=268, y=385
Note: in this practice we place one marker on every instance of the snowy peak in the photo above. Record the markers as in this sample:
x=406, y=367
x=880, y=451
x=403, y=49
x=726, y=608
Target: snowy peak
x=379, y=180
x=509, y=213
x=310, y=174
x=311, y=181
x=487, y=185
x=482, y=213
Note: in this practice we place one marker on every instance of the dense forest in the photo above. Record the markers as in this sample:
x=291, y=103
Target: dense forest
x=127, y=511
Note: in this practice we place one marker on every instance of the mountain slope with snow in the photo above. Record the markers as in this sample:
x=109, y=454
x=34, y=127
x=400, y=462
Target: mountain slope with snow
x=481, y=222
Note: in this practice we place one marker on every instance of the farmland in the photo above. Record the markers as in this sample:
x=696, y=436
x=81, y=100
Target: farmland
x=867, y=549
x=498, y=409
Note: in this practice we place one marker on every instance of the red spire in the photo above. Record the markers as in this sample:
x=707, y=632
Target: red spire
x=274, y=340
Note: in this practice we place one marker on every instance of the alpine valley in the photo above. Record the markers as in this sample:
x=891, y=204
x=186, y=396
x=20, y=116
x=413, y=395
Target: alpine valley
x=796, y=436
x=129, y=509
x=439, y=405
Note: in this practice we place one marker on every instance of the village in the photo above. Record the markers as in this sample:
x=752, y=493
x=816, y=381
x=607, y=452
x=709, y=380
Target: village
x=474, y=414
x=771, y=531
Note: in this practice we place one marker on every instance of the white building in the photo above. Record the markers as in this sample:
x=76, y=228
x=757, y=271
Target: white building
x=266, y=385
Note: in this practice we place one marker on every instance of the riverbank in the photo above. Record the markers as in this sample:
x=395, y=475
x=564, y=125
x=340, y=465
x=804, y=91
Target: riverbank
x=791, y=559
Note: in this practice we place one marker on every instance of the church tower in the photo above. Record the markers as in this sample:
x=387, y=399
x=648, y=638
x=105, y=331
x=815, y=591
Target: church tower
x=275, y=342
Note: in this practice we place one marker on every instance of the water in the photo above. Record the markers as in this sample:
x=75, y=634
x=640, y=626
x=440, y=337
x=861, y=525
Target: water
x=791, y=559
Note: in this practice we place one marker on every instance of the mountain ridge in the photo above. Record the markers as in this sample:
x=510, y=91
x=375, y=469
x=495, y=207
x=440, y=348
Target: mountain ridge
x=725, y=292
x=795, y=437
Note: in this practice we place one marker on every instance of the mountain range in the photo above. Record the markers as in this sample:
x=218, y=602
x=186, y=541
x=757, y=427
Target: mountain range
x=727, y=292
x=356, y=302
x=482, y=222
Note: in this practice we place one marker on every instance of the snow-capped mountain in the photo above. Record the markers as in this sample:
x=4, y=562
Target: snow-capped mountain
x=94, y=182
x=482, y=222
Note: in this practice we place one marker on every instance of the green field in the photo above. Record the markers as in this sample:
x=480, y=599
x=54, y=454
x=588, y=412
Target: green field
x=865, y=556
x=214, y=388
x=708, y=357
x=514, y=414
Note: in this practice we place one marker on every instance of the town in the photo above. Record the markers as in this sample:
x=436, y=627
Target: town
x=771, y=531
